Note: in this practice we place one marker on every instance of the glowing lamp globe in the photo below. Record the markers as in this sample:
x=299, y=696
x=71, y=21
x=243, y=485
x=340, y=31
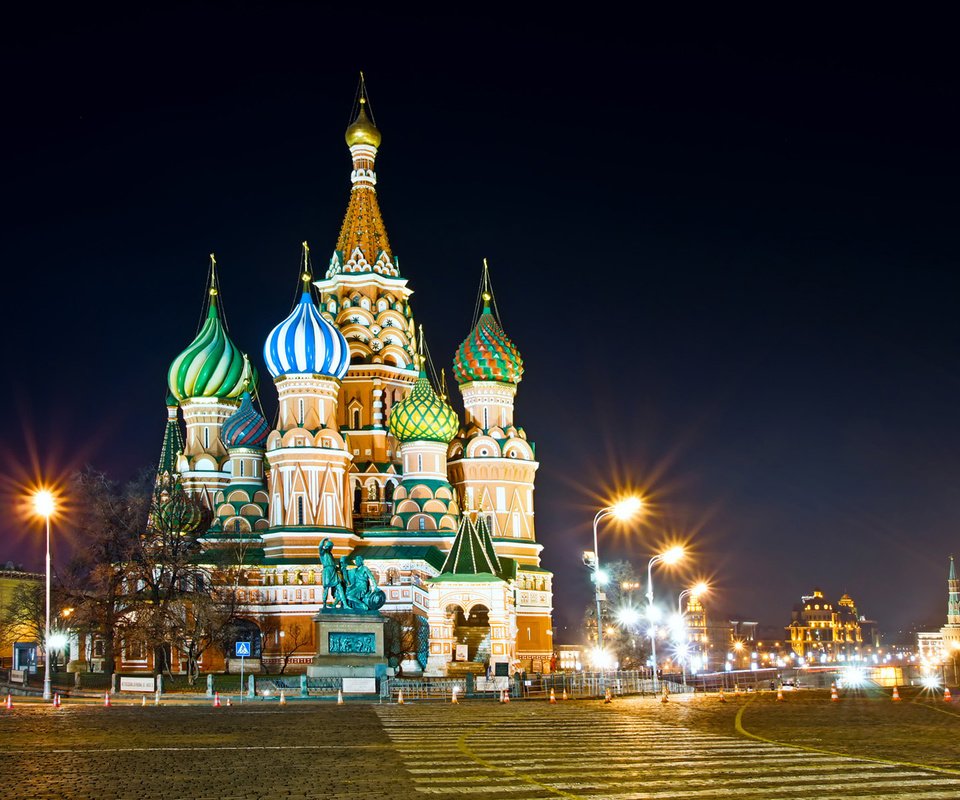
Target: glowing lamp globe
x=44, y=503
x=627, y=508
x=673, y=555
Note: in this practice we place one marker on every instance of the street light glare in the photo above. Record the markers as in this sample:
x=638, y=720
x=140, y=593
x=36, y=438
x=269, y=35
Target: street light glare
x=628, y=615
x=627, y=508
x=673, y=555
x=700, y=589
x=44, y=503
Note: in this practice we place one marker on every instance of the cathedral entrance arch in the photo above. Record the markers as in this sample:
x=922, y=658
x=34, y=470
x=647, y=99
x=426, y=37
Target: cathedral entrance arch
x=471, y=627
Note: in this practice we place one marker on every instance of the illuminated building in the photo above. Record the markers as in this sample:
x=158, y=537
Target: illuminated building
x=824, y=630
x=367, y=452
x=939, y=646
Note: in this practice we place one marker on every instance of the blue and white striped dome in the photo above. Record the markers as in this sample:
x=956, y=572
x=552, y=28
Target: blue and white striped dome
x=306, y=344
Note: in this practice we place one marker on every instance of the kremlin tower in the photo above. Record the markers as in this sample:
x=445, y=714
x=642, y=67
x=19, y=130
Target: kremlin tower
x=366, y=452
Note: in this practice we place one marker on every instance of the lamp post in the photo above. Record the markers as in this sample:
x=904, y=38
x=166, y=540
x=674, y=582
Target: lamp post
x=44, y=505
x=671, y=556
x=622, y=510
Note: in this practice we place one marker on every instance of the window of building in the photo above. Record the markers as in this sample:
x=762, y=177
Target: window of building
x=300, y=514
x=422, y=522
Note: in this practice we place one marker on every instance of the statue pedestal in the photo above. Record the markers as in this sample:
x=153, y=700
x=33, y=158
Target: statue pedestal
x=349, y=645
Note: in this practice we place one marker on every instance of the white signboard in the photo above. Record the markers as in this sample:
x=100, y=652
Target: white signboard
x=18, y=676
x=136, y=684
x=461, y=653
x=492, y=684
x=359, y=685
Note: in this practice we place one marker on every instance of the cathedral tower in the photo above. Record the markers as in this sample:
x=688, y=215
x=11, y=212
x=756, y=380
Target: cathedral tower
x=424, y=424
x=369, y=301
x=206, y=379
x=492, y=465
x=953, y=596
x=307, y=357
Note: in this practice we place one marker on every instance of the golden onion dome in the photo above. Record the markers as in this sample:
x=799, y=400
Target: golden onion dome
x=362, y=130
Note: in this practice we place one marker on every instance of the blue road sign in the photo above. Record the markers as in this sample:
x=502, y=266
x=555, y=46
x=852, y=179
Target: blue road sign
x=243, y=649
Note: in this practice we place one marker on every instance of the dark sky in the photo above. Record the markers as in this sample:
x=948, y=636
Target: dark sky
x=726, y=248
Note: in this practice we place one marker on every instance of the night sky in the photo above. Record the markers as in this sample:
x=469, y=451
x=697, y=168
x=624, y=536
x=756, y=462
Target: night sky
x=726, y=249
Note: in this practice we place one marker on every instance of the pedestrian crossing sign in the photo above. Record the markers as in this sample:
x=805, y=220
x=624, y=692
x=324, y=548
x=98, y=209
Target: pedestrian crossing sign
x=243, y=649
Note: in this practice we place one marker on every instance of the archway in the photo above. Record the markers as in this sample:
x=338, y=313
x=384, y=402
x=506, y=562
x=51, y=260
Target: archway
x=473, y=630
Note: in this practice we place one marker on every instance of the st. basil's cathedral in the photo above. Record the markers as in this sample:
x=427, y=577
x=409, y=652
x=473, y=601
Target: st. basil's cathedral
x=366, y=451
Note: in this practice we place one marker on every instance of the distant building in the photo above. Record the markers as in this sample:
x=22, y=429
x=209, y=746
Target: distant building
x=820, y=628
x=938, y=646
x=13, y=577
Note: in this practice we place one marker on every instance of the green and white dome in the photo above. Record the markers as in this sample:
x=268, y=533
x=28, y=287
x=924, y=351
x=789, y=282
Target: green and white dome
x=212, y=365
x=423, y=416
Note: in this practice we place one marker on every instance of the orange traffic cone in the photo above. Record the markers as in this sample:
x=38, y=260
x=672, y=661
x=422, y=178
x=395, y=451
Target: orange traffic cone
x=506, y=695
x=216, y=699
x=339, y=697
x=229, y=703
x=896, y=695
x=453, y=696
x=400, y=698
x=9, y=704
x=736, y=689
x=56, y=700
x=779, y=694
x=722, y=699
x=564, y=695
x=608, y=696
x=946, y=694
x=553, y=698
x=283, y=698
x=834, y=697
x=106, y=699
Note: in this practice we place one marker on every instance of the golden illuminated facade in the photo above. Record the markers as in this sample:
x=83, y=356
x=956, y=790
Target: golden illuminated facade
x=822, y=629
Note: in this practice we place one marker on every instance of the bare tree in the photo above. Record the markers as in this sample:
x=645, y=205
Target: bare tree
x=291, y=639
x=401, y=638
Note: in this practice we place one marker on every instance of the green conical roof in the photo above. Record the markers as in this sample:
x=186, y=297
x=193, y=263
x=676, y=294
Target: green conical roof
x=172, y=443
x=472, y=552
x=423, y=416
x=487, y=354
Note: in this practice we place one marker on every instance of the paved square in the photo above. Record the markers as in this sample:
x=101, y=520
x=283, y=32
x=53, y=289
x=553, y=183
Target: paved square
x=480, y=750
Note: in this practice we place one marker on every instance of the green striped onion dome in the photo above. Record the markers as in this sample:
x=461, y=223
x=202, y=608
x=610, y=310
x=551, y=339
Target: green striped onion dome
x=180, y=513
x=487, y=354
x=422, y=416
x=211, y=366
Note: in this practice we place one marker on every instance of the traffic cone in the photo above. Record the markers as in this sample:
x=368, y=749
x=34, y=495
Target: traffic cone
x=834, y=697
x=608, y=696
x=946, y=694
x=501, y=695
x=229, y=703
x=216, y=699
x=506, y=695
x=283, y=698
x=106, y=699
x=9, y=704
x=564, y=695
x=400, y=698
x=56, y=700
x=779, y=694
x=553, y=697
x=339, y=697
x=453, y=696
x=896, y=695
x=722, y=699
x=736, y=689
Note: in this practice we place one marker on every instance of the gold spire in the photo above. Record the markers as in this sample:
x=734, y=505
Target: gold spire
x=305, y=277
x=213, y=275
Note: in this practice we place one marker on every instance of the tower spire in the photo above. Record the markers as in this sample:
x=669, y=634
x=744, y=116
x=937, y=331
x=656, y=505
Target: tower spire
x=953, y=596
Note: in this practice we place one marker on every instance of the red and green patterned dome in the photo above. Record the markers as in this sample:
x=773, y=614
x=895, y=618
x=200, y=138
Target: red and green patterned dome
x=487, y=354
x=422, y=416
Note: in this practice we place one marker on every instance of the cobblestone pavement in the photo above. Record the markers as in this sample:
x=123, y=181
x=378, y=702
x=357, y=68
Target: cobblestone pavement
x=480, y=750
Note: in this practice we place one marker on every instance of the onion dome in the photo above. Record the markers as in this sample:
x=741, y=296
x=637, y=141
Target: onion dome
x=181, y=513
x=487, y=354
x=422, y=416
x=306, y=343
x=211, y=366
x=362, y=130
x=245, y=427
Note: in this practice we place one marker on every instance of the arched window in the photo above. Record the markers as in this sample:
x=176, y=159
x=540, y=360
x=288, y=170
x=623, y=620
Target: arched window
x=301, y=412
x=300, y=515
x=356, y=419
x=422, y=523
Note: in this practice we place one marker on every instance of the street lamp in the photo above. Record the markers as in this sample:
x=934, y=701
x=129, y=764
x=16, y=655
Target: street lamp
x=623, y=510
x=44, y=504
x=671, y=556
